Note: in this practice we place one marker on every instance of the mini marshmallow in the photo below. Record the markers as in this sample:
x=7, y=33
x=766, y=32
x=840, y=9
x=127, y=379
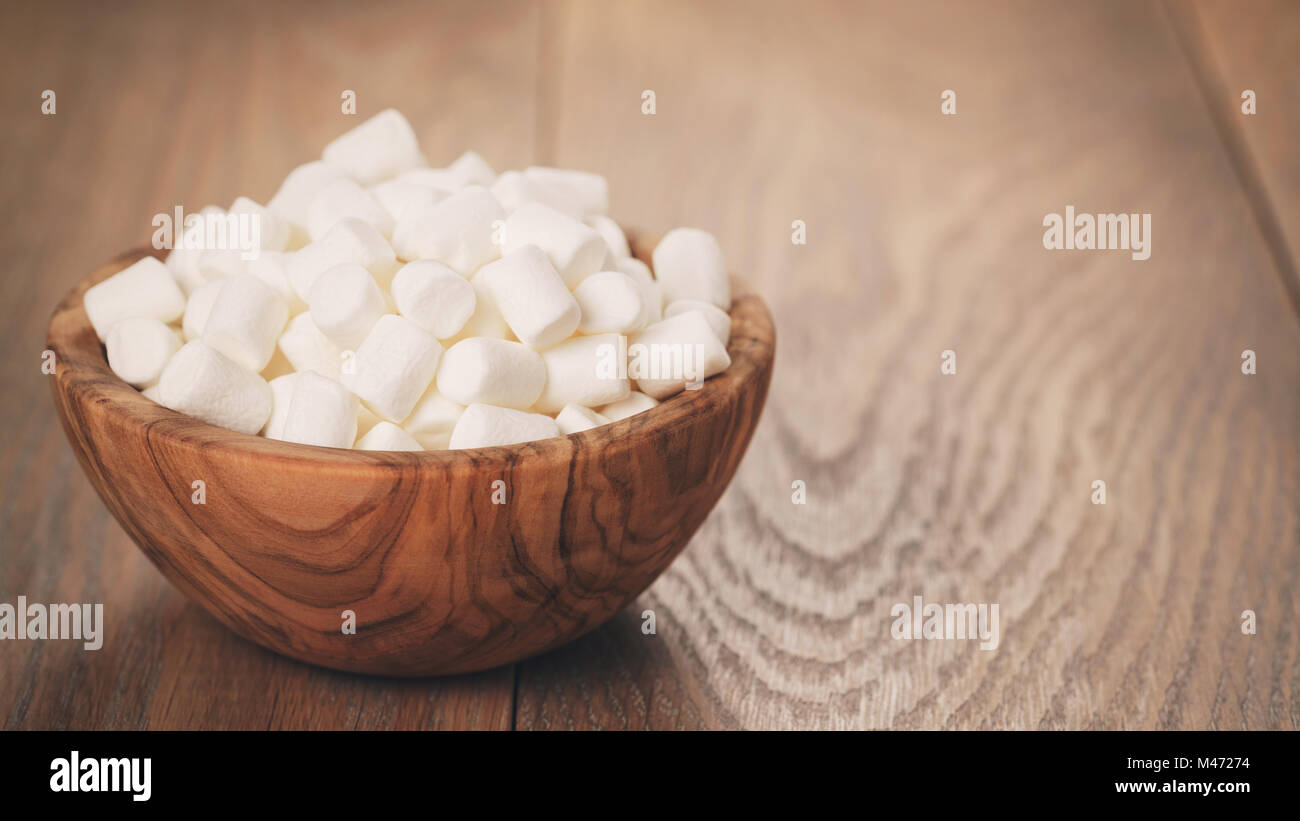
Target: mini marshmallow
x=651, y=297
x=718, y=319
x=459, y=231
x=145, y=288
x=307, y=349
x=492, y=372
x=139, y=348
x=611, y=302
x=350, y=240
x=482, y=426
x=381, y=147
x=514, y=189
x=321, y=412
x=674, y=352
x=584, y=371
x=576, y=419
x=151, y=393
x=198, y=307
x=293, y=200
x=689, y=264
x=434, y=297
x=245, y=321
x=398, y=195
x=387, y=436
x=432, y=420
x=342, y=199
x=206, y=385
x=532, y=297
x=575, y=249
x=615, y=239
x=273, y=232
x=272, y=267
x=281, y=395
x=345, y=303
x=394, y=366
x=591, y=190
x=636, y=402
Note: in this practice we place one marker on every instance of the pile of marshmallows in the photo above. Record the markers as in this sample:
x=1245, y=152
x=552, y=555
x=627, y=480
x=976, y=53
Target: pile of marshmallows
x=393, y=306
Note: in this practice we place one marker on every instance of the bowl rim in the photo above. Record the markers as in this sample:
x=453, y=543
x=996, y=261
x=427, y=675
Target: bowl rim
x=81, y=367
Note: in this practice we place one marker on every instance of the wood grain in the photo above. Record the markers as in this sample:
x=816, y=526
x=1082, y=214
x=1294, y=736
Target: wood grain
x=923, y=235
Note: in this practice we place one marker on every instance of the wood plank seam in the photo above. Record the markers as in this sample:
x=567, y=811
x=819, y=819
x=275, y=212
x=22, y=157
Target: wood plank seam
x=1186, y=25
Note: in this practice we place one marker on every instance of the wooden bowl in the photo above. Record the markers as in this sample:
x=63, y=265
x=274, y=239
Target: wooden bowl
x=440, y=579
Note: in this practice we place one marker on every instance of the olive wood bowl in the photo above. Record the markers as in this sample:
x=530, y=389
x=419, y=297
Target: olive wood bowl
x=438, y=577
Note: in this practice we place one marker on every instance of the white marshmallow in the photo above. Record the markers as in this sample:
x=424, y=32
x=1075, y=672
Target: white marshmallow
x=636, y=402
x=532, y=298
x=198, y=307
x=321, y=412
x=611, y=302
x=398, y=195
x=272, y=267
x=432, y=419
x=576, y=419
x=584, y=371
x=307, y=349
x=281, y=395
x=273, y=233
x=615, y=239
x=493, y=372
x=350, y=240
x=387, y=436
x=139, y=348
x=675, y=352
x=151, y=393
x=245, y=321
x=381, y=147
x=145, y=288
x=689, y=264
x=202, y=383
x=342, y=199
x=293, y=200
x=651, y=297
x=345, y=303
x=394, y=366
x=482, y=426
x=575, y=249
x=458, y=231
x=718, y=319
x=591, y=190
x=514, y=189
x=434, y=297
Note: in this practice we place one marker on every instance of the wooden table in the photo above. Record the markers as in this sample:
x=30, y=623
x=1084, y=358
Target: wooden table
x=924, y=234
